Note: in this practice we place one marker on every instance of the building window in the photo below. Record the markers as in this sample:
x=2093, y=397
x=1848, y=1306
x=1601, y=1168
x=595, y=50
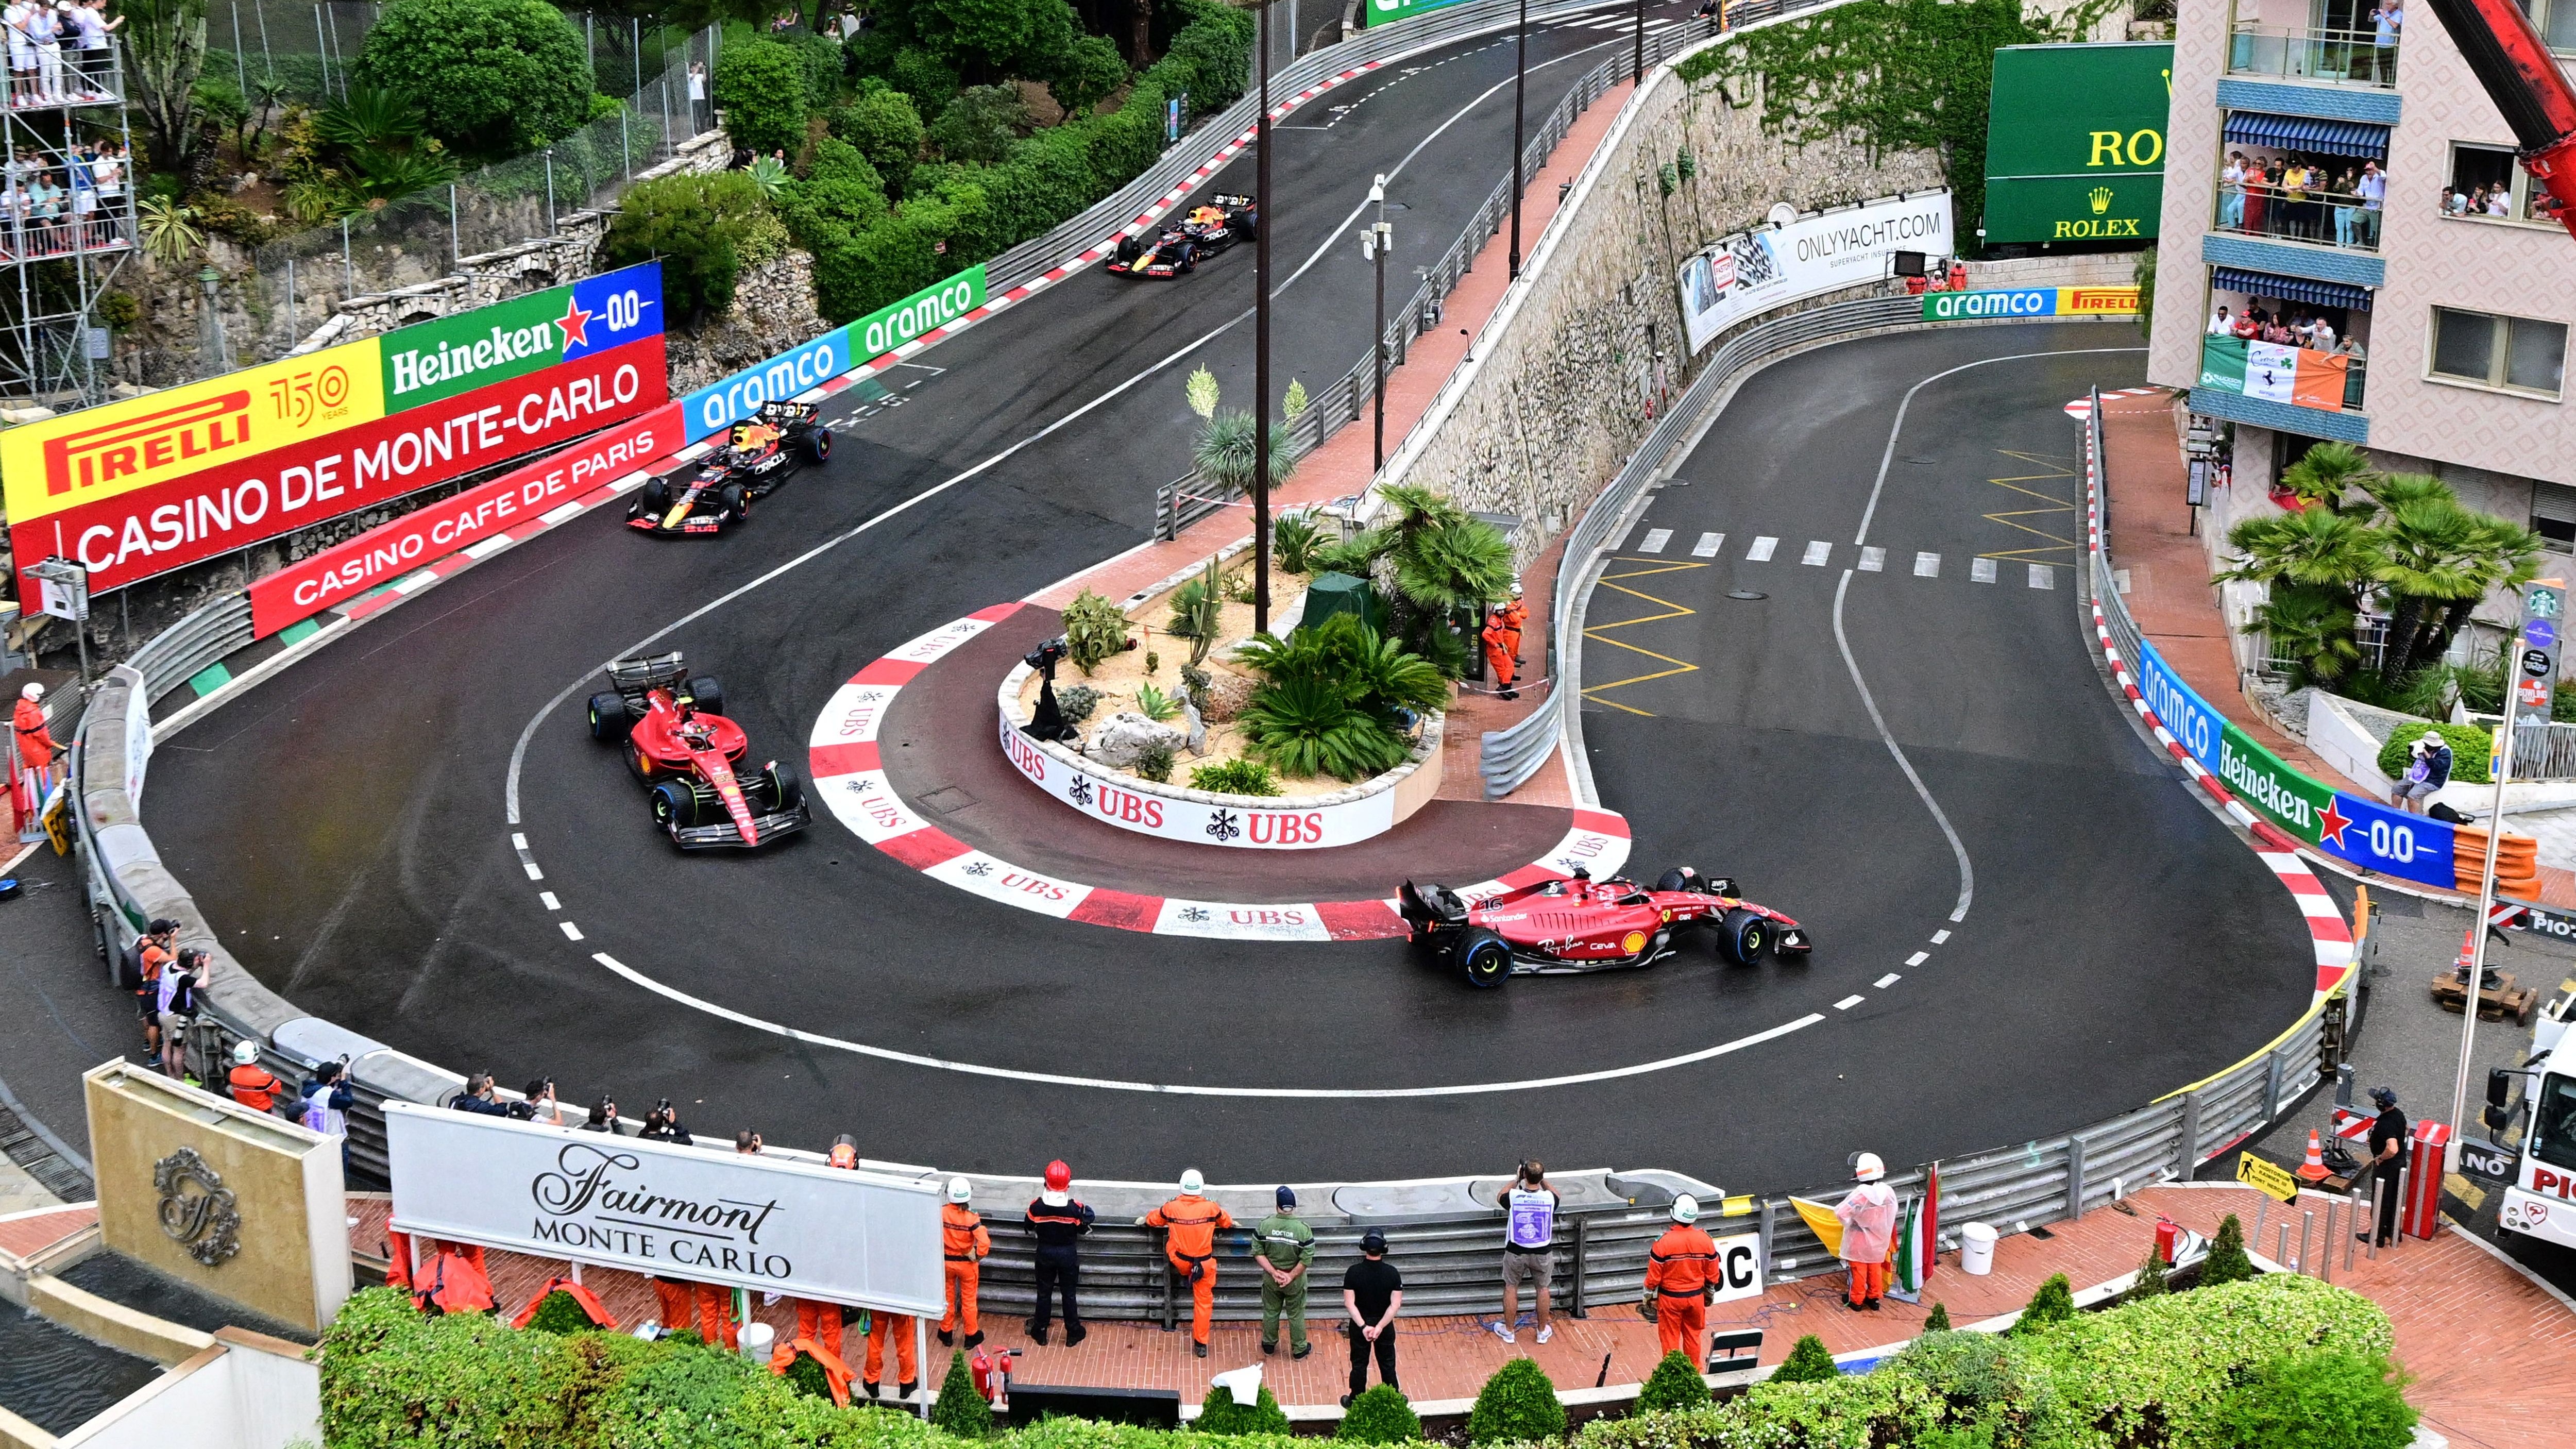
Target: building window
x=2553, y=516
x=2487, y=184
x=2557, y=22
x=2511, y=352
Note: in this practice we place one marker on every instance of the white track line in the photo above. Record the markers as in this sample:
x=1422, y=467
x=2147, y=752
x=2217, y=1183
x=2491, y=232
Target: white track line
x=1708, y=545
x=1761, y=550
x=1655, y=540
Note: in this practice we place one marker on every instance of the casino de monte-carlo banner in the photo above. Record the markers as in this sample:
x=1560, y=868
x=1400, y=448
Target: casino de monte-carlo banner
x=1738, y=276
x=140, y=487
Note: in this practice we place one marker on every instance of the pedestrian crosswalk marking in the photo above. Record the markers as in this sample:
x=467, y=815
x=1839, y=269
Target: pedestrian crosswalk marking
x=1872, y=560
x=1761, y=550
x=1927, y=565
x=1708, y=545
x=1817, y=552
x=2042, y=577
x=1656, y=538
x=1982, y=570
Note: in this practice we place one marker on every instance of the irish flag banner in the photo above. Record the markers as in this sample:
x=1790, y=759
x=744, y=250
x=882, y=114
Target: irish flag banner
x=1917, y=1241
x=2299, y=376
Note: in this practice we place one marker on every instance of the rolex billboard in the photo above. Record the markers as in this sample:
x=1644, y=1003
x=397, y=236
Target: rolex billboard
x=2075, y=144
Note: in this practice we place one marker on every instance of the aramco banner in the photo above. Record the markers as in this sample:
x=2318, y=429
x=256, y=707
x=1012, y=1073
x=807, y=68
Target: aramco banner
x=2075, y=142
x=140, y=487
x=717, y=406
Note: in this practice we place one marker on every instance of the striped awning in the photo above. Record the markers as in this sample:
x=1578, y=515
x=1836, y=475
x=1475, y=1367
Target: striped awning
x=2307, y=134
x=2291, y=289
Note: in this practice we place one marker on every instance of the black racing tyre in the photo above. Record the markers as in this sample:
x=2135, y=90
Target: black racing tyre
x=675, y=805
x=1187, y=260
x=1129, y=249
x=1244, y=224
x=609, y=721
x=776, y=790
x=1682, y=878
x=818, y=445
x=657, y=493
x=1483, y=955
x=1744, y=936
x=733, y=502
x=707, y=692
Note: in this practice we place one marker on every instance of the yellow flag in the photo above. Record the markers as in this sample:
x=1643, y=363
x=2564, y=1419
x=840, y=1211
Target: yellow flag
x=1821, y=1221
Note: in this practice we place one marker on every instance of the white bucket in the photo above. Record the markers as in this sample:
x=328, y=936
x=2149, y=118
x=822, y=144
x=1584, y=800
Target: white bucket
x=1976, y=1249
x=758, y=1339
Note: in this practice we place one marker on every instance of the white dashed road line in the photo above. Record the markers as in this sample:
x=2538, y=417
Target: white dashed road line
x=1927, y=565
x=1817, y=552
x=549, y=898
x=1940, y=936
x=571, y=931
x=1848, y=1002
x=1761, y=550
x=1888, y=980
x=1918, y=958
x=1708, y=545
x=1873, y=559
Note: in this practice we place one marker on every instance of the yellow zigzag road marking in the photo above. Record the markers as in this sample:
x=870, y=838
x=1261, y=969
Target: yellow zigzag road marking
x=2056, y=504
x=1671, y=610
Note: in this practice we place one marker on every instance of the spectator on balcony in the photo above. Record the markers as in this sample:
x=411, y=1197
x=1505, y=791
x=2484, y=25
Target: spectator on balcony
x=97, y=61
x=2386, y=22
x=22, y=53
x=2500, y=200
x=2347, y=211
x=2373, y=190
x=2220, y=324
x=2231, y=193
x=45, y=28
x=2247, y=329
x=2258, y=196
x=2322, y=336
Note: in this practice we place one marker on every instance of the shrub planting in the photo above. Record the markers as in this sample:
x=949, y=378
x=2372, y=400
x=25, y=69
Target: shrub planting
x=1810, y=1362
x=1675, y=1384
x=1220, y=1414
x=1518, y=1403
x=1380, y=1416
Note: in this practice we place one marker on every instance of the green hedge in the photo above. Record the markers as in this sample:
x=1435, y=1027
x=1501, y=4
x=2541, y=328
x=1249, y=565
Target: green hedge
x=2175, y=1372
x=978, y=212
x=2469, y=746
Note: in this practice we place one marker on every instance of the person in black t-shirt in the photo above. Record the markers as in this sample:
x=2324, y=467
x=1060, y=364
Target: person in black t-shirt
x=2388, y=1154
x=1372, y=1292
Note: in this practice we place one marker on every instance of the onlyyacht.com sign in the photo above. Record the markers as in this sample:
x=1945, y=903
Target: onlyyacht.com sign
x=761, y=1222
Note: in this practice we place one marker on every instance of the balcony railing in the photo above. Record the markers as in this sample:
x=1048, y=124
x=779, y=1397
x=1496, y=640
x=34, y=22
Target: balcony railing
x=2352, y=57
x=74, y=77
x=2320, y=218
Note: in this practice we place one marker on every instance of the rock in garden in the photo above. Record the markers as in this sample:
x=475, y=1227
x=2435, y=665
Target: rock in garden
x=1227, y=694
x=1128, y=735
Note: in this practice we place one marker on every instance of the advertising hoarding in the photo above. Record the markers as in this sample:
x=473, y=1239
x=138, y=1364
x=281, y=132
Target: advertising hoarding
x=446, y=356
x=719, y=405
x=388, y=551
x=1737, y=276
x=1387, y=12
x=766, y=1223
x=132, y=535
x=2075, y=142
x=2031, y=302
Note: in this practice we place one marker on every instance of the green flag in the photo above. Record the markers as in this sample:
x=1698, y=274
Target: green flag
x=2222, y=363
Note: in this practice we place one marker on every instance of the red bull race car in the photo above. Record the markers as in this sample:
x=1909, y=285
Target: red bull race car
x=1199, y=235
x=758, y=454
x=1565, y=926
x=689, y=756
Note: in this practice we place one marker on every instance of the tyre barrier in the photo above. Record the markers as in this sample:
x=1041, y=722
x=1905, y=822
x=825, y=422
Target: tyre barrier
x=1446, y=1226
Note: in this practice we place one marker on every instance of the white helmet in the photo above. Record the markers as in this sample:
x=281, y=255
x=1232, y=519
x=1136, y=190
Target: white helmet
x=245, y=1051
x=960, y=1190
x=32, y=691
x=1191, y=1181
x=1685, y=1209
x=1868, y=1168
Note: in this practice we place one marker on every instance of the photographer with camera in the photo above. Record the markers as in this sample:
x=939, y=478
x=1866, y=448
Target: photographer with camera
x=326, y=1104
x=478, y=1096
x=662, y=1124
x=541, y=1106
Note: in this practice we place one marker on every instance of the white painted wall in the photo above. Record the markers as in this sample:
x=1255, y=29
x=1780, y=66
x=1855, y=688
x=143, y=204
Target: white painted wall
x=235, y=1395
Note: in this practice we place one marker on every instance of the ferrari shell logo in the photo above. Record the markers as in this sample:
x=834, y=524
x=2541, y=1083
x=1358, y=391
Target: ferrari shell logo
x=1634, y=942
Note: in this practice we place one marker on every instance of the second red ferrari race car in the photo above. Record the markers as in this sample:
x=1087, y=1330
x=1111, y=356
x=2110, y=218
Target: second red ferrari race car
x=679, y=744
x=758, y=454
x=1179, y=248
x=1564, y=926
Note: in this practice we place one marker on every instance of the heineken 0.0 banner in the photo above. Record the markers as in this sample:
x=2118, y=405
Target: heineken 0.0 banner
x=2258, y=777
x=2075, y=142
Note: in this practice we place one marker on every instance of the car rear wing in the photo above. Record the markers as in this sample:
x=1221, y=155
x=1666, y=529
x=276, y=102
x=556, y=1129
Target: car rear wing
x=1222, y=199
x=633, y=678
x=782, y=412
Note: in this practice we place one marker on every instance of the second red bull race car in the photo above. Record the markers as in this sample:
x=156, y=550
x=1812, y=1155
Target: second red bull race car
x=1179, y=248
x=1565, y=926
x=758, y=454
x=682, y=747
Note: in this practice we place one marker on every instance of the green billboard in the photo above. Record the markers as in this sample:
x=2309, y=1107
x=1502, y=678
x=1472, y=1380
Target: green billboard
x=1387, y=12
x=2075, y=142
x=2256, y=776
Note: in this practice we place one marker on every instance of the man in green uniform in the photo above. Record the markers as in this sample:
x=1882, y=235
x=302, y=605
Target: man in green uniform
x=1284, y=1248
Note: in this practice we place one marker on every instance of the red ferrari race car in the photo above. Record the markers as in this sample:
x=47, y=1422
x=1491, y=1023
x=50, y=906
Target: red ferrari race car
x=678, y=743
x=1180, y=248
x=1564, y=926
x=758, y=454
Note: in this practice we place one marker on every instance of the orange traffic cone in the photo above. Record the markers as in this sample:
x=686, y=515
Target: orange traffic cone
x=2314, y=1169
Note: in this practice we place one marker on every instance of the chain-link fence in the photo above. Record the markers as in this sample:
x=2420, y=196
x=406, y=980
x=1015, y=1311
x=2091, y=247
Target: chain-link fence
x=300, y=278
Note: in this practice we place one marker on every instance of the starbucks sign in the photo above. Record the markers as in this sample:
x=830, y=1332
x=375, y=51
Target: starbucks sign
x=2075, y=143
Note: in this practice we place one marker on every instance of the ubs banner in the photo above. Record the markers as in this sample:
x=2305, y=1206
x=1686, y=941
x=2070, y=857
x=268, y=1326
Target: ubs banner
x=1737, y=276
x=766, y=1223
x=2075, y=142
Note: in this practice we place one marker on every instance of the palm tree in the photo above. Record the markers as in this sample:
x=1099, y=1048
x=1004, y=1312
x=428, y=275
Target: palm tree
x=2313, y=629
x=2314, y=547
x=2389, y=490
x=2428, y=551
x=2326, y=472
x=2502, y=555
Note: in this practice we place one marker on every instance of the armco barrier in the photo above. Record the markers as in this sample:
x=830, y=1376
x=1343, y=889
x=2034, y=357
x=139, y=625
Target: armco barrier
x=1442, y=1228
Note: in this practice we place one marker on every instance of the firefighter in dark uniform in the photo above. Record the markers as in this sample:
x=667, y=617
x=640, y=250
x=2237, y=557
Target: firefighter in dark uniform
x=2388, y=1154
x=1059, y=1219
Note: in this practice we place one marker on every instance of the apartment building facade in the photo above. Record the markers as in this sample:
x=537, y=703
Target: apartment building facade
x=2447, y=302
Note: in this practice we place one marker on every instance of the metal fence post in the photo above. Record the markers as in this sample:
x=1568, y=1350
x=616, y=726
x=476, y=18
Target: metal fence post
x=241, y=70
x=1763, y=1249
x=1582, y=1237
x=348, y=265
x=551, y=228
x=2271, y=1086
x=2075, y=1175
x=625, y=143
x=455, y=244
x=2189, y=1142
x=290, y=303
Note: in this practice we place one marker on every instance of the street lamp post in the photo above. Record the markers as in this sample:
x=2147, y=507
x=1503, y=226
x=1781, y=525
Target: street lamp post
x=1637, y=75
x=1268, y=213
x=1520, y=84
x=1375, y=243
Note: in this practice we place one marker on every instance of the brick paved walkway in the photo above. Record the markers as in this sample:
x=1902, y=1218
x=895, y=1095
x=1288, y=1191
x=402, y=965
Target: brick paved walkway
x=2492, y=1351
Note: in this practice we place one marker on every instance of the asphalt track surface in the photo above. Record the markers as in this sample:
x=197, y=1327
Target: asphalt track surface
x=346, y=823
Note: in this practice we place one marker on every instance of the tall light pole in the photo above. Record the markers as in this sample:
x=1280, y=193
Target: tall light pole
x=1520, y=83
x=1637, y=76
x=1269, y=216
x=1375, y=243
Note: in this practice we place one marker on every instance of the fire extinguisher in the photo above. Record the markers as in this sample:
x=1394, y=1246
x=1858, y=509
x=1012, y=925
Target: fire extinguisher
x=992, y=1371
x=2168, y=1236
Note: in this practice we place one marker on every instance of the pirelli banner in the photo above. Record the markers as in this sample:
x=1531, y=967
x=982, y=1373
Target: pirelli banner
x=141, y=487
